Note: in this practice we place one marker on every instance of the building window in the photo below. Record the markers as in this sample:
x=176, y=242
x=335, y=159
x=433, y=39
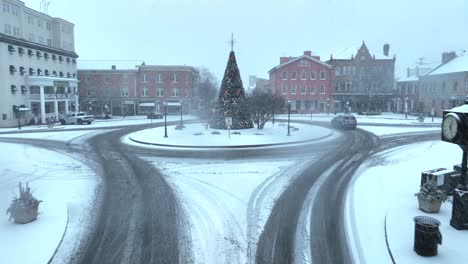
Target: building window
x=160, y=78
x=312, y=75
x=455, y=86
x=303, y=89
x=144, y=92
x=322, y=75
x=7, y=29
x=174, y=77
x=143, y=77
x=48, y=26
x=284, y=89
x=293, y=75
x=337, y=86
x=186, y=78
x=347, y=86
x=160, y=92
x=186, y=92
x=303, y=75
x=312, y=89
x=88, y=92
x=293, y=89
x=125, y=91
x=337, y=71
x=322, y=89
x=285, y=75
x=49, y=42
x=175, y=92
x=466, y=85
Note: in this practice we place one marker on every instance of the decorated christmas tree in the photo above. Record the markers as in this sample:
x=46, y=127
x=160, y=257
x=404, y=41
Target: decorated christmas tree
x=231, y=100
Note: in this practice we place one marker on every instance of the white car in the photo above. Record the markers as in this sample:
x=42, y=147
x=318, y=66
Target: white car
x=77, y=118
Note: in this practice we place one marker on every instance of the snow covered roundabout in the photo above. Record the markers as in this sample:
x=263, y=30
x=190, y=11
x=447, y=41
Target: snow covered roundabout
x=229, y=201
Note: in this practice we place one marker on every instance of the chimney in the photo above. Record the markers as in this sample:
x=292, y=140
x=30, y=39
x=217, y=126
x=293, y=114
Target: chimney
x=308, y=53
x=284, y=60
x=386, y=49
x=448, y=56
x=113, y=67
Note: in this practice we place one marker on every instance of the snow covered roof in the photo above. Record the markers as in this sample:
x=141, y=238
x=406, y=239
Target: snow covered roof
x=459, y=64
x=299, y=58
x=107, y=64
x=412, y=78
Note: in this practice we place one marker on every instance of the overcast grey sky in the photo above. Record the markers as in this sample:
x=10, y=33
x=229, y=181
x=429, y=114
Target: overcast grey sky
x=197, y=32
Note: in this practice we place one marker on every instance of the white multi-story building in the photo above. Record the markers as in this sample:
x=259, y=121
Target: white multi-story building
x=38, y=72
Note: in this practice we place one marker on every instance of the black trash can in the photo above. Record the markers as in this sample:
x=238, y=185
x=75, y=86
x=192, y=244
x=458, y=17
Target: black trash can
x=426, y=235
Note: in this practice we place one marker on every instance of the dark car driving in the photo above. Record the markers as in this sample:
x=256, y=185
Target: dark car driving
x=344, y=122
x=155, y=115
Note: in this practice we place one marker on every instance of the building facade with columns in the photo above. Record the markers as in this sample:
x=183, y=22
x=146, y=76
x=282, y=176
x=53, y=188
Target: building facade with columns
x=37, y=65
x=138, y=91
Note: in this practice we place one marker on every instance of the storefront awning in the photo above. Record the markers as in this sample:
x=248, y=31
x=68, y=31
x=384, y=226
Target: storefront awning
x=147, y=104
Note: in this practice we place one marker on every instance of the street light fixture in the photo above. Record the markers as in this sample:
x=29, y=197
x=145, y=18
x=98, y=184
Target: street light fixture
x=289, y=116
x=165, y=119
x=181, y=123
x=406, y=107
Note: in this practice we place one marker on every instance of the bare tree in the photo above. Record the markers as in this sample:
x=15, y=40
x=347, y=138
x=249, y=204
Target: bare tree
x=263, y=105
x=208, y=91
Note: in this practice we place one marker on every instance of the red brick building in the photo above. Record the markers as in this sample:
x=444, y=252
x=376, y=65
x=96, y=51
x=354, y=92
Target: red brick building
x=303, y=80
x=138, y=91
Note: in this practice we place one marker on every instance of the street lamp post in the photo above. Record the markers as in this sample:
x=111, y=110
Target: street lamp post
x=165, y=119
x=181, y=123
x=406, y=107
x=289, y=116
x=328, y=106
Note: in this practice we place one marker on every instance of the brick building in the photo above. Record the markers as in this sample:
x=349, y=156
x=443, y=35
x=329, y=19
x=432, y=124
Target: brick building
x=139, y=91
x=445, y=86
x=303, y=80
x=364, y=81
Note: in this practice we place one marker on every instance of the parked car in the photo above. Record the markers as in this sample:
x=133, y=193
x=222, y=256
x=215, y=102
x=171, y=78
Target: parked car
x=77, y=118
x=155, y=115
x=344, y=122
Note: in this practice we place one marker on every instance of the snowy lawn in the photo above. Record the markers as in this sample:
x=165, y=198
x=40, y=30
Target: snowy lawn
x=198, y=135
x=228, y=208
x=388, y=130
x=384, y=187
x=66, y=187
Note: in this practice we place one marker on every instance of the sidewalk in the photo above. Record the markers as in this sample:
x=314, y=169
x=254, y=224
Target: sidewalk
x=383, y=192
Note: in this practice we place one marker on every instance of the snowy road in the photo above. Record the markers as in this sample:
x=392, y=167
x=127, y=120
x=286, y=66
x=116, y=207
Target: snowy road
x=142, y=217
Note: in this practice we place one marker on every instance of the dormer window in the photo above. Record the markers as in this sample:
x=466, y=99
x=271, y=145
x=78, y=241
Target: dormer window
x=30, y=52
x=20, y=50
x=31, y=71
x=54, y=73
x=68, y=60
x=23, y=89
x=54, y=57
x=73, y=61
x=60, y=58
x=11, y=48
x=74, y=75
x=46, y=72
x=38, y=54
x=61, y=74
x=12, y=69
x=39, y=72
x=13, y=88
x=69, y=75
x=22, y=70
x=46, y=55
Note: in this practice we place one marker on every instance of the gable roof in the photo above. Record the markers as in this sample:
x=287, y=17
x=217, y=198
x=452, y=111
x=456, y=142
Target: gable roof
x=298, y=59
x=458, y=64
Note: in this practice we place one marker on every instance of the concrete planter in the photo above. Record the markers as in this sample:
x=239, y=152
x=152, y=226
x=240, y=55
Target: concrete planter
x=429, y=207
x=25, y=214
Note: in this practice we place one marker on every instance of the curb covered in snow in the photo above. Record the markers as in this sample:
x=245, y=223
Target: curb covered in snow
x=61, y=239
x=235, y=146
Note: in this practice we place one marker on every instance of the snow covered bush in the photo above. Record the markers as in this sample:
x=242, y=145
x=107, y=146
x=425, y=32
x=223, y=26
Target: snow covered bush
x=430, y=193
